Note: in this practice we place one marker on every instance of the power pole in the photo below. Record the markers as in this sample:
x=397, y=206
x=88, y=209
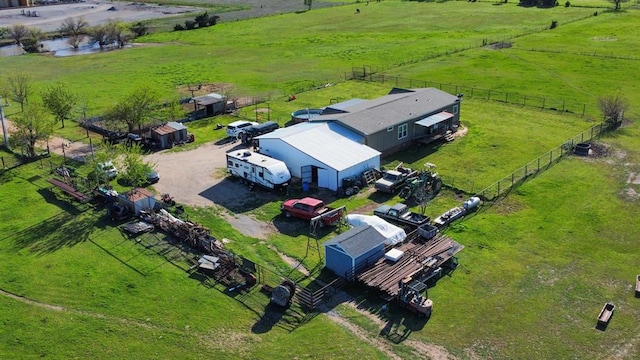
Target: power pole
x=4, y=127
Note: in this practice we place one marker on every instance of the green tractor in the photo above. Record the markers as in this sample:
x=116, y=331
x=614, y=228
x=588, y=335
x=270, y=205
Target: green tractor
x=422, y=187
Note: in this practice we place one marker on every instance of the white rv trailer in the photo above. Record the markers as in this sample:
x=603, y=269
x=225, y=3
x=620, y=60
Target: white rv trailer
x=258, y=169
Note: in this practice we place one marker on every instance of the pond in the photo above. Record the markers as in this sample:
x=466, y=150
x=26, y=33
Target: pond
x=59, y=47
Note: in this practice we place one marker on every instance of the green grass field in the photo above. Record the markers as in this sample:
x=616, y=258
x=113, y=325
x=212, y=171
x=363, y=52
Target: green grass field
x=536, y=268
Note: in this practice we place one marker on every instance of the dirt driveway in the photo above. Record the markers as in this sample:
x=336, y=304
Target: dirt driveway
x=198, y=178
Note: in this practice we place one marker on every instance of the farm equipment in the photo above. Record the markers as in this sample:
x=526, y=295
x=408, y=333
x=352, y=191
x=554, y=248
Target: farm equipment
x=167, y=200
x=424, y=186
x=411, y=299
x=283, y=294
x=350, y=186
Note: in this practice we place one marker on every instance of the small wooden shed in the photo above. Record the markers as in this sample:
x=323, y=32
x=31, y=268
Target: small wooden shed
x=137, y=199
x=180, y=132
x=353, y=250
x=163, y=136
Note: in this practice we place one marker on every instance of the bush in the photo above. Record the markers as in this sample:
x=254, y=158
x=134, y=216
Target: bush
x=554, y=24
x=178, y=27
x=567, y=4
x=190, y=24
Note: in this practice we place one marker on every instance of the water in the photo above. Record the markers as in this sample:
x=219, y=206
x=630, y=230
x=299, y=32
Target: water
x=59, y=47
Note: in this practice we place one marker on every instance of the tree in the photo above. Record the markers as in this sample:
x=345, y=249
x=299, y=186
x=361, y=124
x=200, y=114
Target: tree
x=31, y=43
x=613, y=108
x=172, y=111
x=74, y=29
x=18, y=32
x=617, y=3
x=135, y=169
x=19, y=86
x=202, y=20
x=308, y=3
x=140, y=29
x=60, y=101
x=32, y=125
x=135, y=109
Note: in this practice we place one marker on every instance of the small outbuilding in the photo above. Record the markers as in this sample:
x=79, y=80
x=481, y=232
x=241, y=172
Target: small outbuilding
x=137, y=199
x=166, y=135
x=209, y=105
x=354, y=250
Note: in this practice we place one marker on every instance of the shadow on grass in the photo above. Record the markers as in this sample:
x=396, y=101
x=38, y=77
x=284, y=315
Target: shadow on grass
x=62, y=230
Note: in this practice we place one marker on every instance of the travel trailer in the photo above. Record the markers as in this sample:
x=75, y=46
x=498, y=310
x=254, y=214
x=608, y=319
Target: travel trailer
x=258, y=169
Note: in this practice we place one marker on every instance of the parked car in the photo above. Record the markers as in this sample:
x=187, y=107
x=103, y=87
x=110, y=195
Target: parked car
x=308, y=208
x=393, y=180
x=237, y=128
x=257, y=130
x=153, y=176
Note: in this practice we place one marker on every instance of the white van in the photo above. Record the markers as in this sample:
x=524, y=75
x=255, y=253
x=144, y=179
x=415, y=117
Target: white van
x=235, y=129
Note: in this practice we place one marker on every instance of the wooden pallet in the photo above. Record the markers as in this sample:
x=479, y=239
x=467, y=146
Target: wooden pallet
x=370, y=176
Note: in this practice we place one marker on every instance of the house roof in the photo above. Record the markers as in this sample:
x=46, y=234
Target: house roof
x=329, y=143
x=163, y=130
x=357, y=241
x=395, y=108
x=137, y=194
x=176, y=125
x=208, y=99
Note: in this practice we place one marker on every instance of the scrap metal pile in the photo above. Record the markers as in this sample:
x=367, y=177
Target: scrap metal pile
x=419, y=261
x=189, y=233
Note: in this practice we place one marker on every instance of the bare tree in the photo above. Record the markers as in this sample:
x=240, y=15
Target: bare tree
x=18, y=32
x=613, y=108
x=75, y=30
x=617, y=3
x=19, y=88
x=32, y=125
x=60, y=101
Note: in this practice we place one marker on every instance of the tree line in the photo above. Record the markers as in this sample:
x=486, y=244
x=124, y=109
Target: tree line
x=112, y=33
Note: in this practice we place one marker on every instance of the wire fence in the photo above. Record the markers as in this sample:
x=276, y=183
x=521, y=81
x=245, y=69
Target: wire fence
x=363, y=73
x=539, y=165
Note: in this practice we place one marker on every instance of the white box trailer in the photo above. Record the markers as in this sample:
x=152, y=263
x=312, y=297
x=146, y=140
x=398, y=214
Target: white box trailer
x=258, y=169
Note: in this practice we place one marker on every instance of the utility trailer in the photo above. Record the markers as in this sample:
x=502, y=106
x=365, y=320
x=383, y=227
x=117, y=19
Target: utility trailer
x=257, y=169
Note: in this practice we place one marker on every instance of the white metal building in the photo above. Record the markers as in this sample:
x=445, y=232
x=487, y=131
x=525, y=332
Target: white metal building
x=320, y=153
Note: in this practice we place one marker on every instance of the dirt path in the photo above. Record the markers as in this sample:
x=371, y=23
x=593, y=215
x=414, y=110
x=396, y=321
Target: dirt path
x=427, y=351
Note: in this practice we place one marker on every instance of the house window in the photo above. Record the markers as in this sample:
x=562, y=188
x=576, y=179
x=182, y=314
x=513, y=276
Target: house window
x=402, y=131
x=390, y=129
x=455, y=109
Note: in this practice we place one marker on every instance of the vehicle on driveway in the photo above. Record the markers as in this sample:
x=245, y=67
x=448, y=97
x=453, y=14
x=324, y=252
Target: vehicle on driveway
x=309, y=208
x=237, y=128
x=393, y=180
x=400, y=214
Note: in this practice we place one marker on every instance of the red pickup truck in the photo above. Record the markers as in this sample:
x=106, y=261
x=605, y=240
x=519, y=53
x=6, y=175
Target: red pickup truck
x=308, y=208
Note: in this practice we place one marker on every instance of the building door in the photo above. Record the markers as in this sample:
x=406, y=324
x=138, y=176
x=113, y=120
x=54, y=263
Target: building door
x=306, y=174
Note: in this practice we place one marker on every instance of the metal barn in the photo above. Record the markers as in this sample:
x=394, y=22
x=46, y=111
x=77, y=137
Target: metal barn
x=320, y=153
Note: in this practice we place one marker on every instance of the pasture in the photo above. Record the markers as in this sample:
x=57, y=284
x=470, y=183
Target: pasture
x=537, y=265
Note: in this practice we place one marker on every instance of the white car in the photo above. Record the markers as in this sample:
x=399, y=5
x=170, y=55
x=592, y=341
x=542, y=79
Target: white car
x=108, y=169
x=236, y=128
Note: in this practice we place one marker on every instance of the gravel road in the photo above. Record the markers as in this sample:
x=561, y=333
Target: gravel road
x=95, y=12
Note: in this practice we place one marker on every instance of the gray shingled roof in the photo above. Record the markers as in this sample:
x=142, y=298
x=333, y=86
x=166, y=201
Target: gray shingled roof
x=358, y=240
x=368, y=117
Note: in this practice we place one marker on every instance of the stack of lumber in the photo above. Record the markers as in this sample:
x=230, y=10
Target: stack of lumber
x=419, y=259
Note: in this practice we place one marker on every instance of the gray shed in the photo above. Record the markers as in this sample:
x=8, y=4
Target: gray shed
x=352, y=251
